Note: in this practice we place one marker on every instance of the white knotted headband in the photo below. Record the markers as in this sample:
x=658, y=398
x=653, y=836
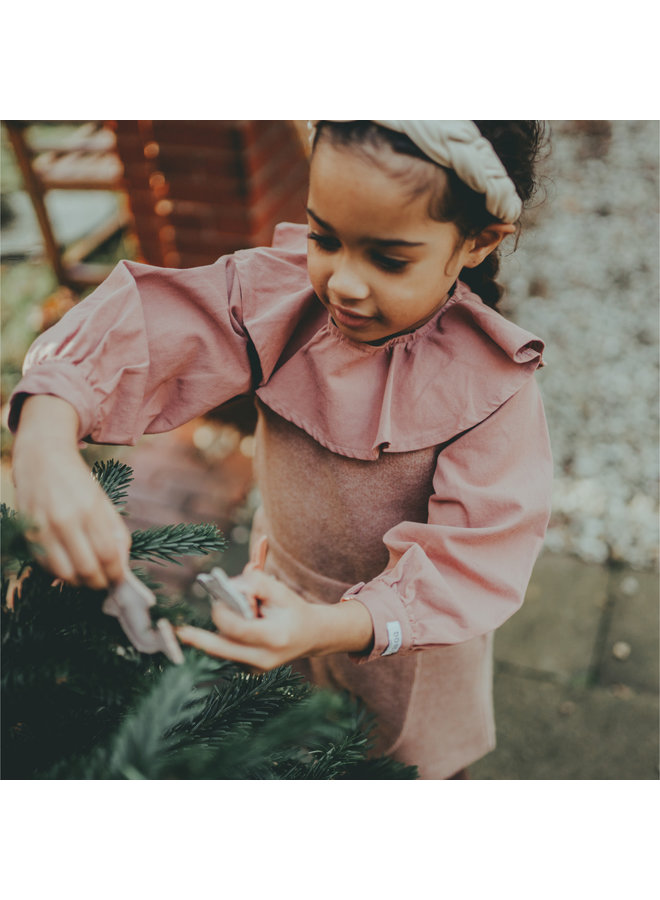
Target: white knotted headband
x=459, y=145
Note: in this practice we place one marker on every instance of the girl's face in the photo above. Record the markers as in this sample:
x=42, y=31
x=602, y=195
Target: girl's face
x=376, y=260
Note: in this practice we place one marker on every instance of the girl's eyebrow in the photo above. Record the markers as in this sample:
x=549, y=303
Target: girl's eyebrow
x=381, y=242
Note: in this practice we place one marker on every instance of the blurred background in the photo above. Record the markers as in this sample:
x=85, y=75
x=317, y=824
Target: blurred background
x=576, y=686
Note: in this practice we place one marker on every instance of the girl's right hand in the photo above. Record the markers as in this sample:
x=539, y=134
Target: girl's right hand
x=76, y=532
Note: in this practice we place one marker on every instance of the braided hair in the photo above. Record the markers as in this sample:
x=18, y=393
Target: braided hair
x=518, y=145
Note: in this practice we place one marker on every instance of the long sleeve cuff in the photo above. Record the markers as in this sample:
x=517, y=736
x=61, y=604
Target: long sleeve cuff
x=393, y=627
x=60, y=379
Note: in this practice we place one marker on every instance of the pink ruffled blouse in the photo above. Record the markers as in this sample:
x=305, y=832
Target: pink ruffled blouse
x=152, y=348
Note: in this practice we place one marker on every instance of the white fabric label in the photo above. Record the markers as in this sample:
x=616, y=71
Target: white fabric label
x=395, y=638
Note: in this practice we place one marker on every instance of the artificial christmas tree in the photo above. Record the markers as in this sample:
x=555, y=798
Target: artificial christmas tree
x=80, y=702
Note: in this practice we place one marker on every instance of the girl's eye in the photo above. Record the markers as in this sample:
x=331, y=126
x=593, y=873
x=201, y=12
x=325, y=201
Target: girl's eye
x=330, y=244
x=388, y=263
x=325, y=242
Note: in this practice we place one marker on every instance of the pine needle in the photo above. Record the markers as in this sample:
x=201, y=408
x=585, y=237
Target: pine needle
x=114, y=477
x=143, y=745
x=169, y=541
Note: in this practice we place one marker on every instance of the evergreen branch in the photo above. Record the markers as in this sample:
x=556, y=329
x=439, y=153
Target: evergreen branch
x=169, y=541
x=346, y=756
x=332, y=761
x=280, y=742
x=245, y=701
x=114, y=477
x=240, y=751
x=147, y=738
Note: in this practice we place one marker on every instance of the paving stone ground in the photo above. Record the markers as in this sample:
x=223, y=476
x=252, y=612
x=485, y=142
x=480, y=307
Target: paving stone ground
x=576, y=677
x=547, y=730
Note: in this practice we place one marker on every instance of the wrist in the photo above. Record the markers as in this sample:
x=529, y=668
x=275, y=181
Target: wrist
x=342, y=628
x=44, y=416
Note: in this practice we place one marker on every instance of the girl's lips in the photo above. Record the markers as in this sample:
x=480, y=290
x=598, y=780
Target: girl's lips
x=349, y=319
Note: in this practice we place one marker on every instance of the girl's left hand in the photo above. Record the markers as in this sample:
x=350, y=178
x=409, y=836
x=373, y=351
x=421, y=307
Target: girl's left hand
x=287, y=628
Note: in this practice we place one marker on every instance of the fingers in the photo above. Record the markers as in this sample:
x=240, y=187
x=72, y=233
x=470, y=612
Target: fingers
x=90, y=550
x=110, y=543
x=98, y=553
x=52, y=557
x=77, y=533
x=217, y=645
x=265, y=588
x=258, y=555
x=244, y=587
x=260, y=589
x=281, y=634
x=86, y=566
x=235, y=627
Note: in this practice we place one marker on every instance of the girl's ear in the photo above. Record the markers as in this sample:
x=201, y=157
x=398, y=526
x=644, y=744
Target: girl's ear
x=486, y=241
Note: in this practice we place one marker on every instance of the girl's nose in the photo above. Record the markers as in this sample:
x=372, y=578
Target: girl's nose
x=346, y=282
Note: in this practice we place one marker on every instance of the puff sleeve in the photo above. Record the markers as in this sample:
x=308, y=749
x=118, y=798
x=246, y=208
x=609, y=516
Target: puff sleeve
x=466, y=570
x=150, y=349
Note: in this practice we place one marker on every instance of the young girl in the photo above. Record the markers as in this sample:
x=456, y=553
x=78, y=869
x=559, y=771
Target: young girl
x=402, y=450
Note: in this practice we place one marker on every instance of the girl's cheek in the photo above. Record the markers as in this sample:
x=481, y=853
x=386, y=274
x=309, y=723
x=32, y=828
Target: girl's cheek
x=318, y=276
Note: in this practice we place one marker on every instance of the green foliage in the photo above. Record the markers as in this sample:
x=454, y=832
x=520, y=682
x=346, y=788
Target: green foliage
x=114, y=477
x=209, y=720
x=79, y=702
x=169, y=541
x=15, y=549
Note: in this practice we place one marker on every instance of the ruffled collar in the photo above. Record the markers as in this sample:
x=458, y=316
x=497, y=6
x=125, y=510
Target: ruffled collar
x=413, y=391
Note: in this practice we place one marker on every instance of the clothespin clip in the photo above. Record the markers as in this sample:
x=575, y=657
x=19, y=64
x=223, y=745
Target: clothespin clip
x=222, y=589
x=226, y=590
x=130, y=602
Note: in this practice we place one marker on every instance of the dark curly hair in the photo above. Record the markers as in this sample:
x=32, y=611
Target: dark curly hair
x=517, y=143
